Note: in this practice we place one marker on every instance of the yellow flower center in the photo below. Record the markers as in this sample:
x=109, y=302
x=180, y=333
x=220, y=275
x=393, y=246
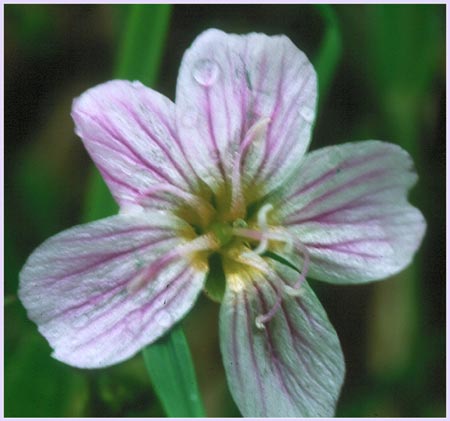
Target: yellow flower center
x=235, y=232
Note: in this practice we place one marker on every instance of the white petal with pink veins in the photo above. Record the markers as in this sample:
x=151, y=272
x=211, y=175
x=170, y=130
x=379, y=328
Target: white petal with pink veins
x=294, y=366
x=129, y=131
x=348, y=206
x=227, y=83
x=75, y=287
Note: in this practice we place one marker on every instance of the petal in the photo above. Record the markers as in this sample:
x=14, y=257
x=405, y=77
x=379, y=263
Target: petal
x=129, y=131
x=348, y=206
x=292, y=368
x=227, y=83
x=74, y=287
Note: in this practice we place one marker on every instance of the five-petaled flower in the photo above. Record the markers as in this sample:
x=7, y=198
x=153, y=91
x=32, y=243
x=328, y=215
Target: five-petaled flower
x=216, y=194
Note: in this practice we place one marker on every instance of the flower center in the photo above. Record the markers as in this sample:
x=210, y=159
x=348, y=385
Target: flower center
x=238, y=239
x=238, y=246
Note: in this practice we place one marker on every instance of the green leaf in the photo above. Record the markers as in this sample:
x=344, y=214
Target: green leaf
x=39, y=386
x=142, y=45
x=169, y=364
x=406, y=48
x=168, y=361
x=330, y=49
x=407, y=43
x=99, y=202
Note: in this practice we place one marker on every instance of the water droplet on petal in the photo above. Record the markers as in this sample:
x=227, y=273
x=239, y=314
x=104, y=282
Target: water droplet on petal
x=206, y=72
x=134, y=323
x=307, y=114
x=163, y=318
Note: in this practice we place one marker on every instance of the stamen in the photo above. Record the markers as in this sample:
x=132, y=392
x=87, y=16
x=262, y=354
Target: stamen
x=262, y=215
x=237, y=199
x=262, y=222
x=263, y=237
x=296, y=289
x=261, y=319
x=204, y=209
x=256, y=261
x=262, y=246
x=202, y=243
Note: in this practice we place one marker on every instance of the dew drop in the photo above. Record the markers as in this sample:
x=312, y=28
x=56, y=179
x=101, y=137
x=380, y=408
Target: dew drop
x=163, y=318
x=307, y=114
x=206, y=72
x=134, y=323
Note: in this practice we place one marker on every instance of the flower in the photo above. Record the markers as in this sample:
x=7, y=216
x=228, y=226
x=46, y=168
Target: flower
x=216, y=193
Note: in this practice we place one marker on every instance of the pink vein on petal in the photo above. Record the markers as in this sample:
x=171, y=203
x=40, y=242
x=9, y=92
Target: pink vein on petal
x=249, y=323
x=353, y=163
x=139, y=157
x=163, y=147
x=142, y=309
x=372, y=175
x=104, y=258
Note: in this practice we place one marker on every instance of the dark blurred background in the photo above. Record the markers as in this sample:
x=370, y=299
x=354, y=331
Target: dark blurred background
x=389, y=84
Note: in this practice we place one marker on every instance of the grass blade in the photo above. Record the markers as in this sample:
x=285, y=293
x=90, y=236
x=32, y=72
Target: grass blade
x=169, y=364
x=330, y=49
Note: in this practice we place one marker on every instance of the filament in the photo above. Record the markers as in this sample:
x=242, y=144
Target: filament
x=254, y=133
x=262, y=215
x=262, y=319
x=295, y=290
x=264, y=236
x=254, y=260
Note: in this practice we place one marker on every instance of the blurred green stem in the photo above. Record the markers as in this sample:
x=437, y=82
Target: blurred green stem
x=169, y=364
x=142, y=44
x=401, y=68
x=329, y=53
x=168, y=361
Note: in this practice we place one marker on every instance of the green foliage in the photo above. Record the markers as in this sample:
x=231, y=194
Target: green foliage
x=403, y=60
x=31, y=390
x=329, y=52
x=169, y=364
x=142, y=43
x=401, y=68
